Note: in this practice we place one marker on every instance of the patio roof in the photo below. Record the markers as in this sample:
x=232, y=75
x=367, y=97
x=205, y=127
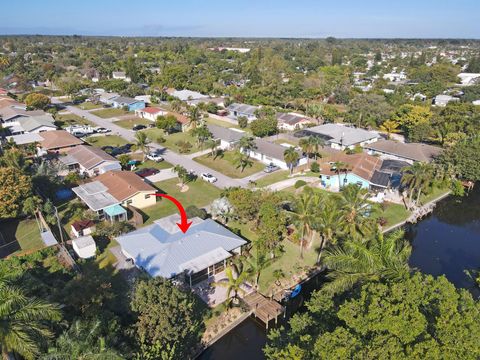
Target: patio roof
x=203, y=261
x=95, y=195
x=114, y=210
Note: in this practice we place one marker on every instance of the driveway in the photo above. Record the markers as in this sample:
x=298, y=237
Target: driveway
x=290, y=182
x=170, y=156
x=164, y=174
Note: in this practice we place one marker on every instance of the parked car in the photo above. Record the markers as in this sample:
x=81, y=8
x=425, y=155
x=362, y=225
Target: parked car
x=155, y=156
x=139, y=127
x=209, y=177
x=271, y=168
x=101, y=130
x=147, y=172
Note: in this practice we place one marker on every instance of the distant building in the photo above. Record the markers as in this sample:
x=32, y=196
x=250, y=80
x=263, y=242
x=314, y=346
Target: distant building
x=237, y=110
x=150, y=113
x=130, y=103
x=187, y=95
x=121, y=75
x=442, y=100
x=468, y=79
x=340, y=137
x=271, y=153
x=227, y=138
x=293, y=121
x=409, y=152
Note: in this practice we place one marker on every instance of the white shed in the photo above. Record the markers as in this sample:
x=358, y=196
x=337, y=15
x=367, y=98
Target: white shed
x=84, y=247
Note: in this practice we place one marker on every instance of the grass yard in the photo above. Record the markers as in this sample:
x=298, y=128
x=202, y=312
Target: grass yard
x=106, y=258
x=89, y=106
x=130, y=123
x=109, y=113
x=19, y=236
x=394, y=214
x=200, y=193
x=172, y=139
x=64, y=120
x=433, y=194
x=151, y=164
x=112, y=140
x=273, y=178
x=225, y=164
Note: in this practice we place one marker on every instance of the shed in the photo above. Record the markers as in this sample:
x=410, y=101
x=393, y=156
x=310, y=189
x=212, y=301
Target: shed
x=84, y=247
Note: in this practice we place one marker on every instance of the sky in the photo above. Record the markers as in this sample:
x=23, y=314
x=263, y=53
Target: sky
x=245, y=18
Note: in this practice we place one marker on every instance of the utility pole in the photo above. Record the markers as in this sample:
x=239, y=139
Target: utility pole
x=59, y=225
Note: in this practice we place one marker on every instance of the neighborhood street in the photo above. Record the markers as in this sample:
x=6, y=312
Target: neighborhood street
x=170, y=156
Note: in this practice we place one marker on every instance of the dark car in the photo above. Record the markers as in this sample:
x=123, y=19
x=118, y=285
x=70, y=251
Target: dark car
x=139, y=127
x=147, y=172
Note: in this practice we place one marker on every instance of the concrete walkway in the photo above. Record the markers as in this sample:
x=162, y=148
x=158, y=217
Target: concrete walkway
x=290, y=182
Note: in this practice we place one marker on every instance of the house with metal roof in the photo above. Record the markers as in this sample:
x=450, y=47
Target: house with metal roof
x=293, y=121
x=161, y=249
x=340, y=136
x=409, y=152
x=89, y=160
x=237, y=110
x=187, y=95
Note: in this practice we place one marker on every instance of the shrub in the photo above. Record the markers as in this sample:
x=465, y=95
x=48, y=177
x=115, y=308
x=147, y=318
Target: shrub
x=161, y=139
x=457, y=188
x=193, y=211
x=315, y=167
x=299, y=184
x=242, y=122
x=183, y=146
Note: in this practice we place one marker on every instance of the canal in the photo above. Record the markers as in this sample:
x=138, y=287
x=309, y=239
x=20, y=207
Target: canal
x=447, y=242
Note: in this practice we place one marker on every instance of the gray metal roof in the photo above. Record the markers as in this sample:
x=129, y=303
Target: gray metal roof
x=411, y=151
x=340, y=134
x=163, y=250
x=126, y=100
x=226, y=134
x=95, y=195
x=242, y=108
x=185, y=95
x=272, y=150
x=34, y=122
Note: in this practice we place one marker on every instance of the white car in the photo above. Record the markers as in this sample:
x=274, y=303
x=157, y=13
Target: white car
x=101, y=130
x=209, y=177
x=154, y=156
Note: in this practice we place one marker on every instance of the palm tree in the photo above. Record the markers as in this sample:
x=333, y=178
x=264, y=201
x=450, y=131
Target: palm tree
x=328, y=223
x=212, y=145
x=306, y=147
x=4, y=62
x=246, y=144
x=235, y=278
x=355, y=210
x=316, y=143
x=339, y=167
x=291, y=157
x=194, y=116
x=142, y=141
x=390, y=127
x=315, y=111
x=176, y=105
x=242, y=160
x=23, y=321
x=355, y=262
x=416, y=177
x=303, y=216
x=256, y=263
x=83, y=340
x=182, y=174
x=202, y=134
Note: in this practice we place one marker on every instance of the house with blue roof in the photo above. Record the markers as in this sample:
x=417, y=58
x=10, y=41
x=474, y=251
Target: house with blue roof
x=161, y=249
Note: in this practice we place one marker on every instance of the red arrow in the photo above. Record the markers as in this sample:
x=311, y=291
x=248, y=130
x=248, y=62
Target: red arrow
x=184, y=224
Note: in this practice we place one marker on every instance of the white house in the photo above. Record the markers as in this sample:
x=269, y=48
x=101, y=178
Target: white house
x=469, y=78
x=293, y=121
x=236, y=110
x=84, y=247
x=442, y=100
x=395, y=77
x=341, y=137
x=150, y=113
x=271, y=153
x=121, y=75
x=227, y=138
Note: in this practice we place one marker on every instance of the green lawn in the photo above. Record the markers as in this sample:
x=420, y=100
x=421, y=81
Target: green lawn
x=109, y=113
x=89, y=106
x=273, y=178
x=106, y=258
x=433, y=194
x=151, y=164
x=28, y=235
x=64, y=120
x=172, y=139
x=226, y=165
x=200, y=194
x=112, y=140
x=130, y=123
x=394, y=214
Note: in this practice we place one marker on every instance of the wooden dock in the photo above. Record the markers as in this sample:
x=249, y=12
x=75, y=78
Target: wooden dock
x=264, y=308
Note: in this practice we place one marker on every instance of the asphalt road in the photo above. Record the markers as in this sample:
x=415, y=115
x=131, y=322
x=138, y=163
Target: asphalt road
x=170, y=156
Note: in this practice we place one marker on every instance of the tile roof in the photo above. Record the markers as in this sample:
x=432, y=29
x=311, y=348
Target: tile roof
x=152, y=110
x=123, y=184
x=362, y=164
x=411, y=151
x=163, y=250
